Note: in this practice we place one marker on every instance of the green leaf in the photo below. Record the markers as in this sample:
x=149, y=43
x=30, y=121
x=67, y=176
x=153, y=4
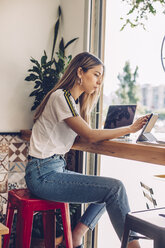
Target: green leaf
x=34, y=107
x=49, y=63
x=131, y=11
x=43, y=59
x=34, y=93
x=36, y=69
x=151, y=9
x=31, y=77
x=38, y=83
x=56, y=28
x=70, y=42
x=28, y=78
x=69, y=58
x=59, y=11
x=61, y=47
x=35, y=62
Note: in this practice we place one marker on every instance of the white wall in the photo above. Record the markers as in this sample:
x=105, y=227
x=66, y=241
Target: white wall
x=27, y=30
x=75, y=19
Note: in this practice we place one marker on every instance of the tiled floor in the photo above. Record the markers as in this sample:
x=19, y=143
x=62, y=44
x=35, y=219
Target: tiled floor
x=130, y=172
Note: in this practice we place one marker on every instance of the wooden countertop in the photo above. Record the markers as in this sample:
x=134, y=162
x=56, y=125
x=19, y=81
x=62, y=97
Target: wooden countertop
x=119, y=148
x=125, y=149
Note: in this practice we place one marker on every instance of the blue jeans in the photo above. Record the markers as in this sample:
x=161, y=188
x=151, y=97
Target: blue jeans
x=48, y=179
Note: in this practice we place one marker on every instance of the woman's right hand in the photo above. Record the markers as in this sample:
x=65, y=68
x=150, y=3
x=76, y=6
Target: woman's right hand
x=139, y=123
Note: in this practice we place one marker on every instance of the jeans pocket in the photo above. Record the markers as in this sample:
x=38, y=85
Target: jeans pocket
x=46, y=166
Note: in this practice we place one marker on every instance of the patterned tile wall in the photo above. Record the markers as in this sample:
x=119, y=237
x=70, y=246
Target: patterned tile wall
x=13, y=159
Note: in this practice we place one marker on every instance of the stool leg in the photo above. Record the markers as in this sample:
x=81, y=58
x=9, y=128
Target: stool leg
x=66, y=225
x=9, y=221
x=24, y=227
x=49, y=228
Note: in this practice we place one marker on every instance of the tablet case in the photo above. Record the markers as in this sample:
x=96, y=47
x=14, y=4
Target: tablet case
x=148, y=137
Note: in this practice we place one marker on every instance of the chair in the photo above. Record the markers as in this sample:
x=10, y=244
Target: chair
x=149, y=196
x=26, y=204
x=146, y=222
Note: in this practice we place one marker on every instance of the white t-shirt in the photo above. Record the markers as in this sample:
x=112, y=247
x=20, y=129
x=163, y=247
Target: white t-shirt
x=50, y=134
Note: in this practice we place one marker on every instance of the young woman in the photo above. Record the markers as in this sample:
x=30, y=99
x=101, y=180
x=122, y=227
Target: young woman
x=62, y=115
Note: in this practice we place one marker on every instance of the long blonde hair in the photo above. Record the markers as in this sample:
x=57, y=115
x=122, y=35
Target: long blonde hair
x=86, y=61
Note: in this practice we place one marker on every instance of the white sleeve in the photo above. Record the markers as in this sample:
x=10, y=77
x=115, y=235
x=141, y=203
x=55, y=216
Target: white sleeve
x=64, y=106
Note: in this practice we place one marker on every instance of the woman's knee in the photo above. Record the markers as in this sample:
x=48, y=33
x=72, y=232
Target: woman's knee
x=117, y=186
x=120, y=184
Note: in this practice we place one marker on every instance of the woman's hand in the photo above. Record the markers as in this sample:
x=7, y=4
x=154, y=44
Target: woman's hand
x=139, y=123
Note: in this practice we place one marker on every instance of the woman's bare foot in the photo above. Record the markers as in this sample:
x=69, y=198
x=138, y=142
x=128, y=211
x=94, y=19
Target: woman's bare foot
x=80, y=231
x=133, y=244
x=78, y=234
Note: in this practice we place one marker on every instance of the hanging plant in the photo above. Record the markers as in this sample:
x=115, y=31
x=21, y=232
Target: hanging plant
x=140, y=10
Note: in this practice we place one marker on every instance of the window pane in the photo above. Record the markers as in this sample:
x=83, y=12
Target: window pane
x=137, y=51
x=140, y=50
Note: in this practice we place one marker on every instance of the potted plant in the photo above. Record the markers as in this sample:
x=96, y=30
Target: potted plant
x=46, y=73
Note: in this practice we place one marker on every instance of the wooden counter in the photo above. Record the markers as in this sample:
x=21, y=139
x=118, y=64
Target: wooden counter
x=118, y=148
x=125, y=149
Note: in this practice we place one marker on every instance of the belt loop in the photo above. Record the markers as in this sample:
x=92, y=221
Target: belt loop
x=59, y=155
x=29, y=157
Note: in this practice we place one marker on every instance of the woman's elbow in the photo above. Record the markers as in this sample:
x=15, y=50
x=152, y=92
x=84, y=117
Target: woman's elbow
x=91, y=139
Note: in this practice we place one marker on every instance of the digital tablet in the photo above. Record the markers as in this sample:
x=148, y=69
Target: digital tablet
x=145, y=133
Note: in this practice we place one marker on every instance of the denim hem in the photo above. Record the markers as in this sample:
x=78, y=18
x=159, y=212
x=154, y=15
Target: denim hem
x=98, y=209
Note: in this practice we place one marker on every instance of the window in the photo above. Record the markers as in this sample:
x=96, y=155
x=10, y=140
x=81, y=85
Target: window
x=139, y=52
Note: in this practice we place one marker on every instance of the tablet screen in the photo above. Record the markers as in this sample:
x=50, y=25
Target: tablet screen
x=150, y=123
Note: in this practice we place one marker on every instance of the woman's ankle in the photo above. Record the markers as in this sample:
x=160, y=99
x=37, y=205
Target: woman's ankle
x=134, y=244
x=78, y=234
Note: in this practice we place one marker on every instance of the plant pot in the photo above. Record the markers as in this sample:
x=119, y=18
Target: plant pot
x=39, y=243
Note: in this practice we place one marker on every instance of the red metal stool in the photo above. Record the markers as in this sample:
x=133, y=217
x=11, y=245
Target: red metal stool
x=26, y=204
